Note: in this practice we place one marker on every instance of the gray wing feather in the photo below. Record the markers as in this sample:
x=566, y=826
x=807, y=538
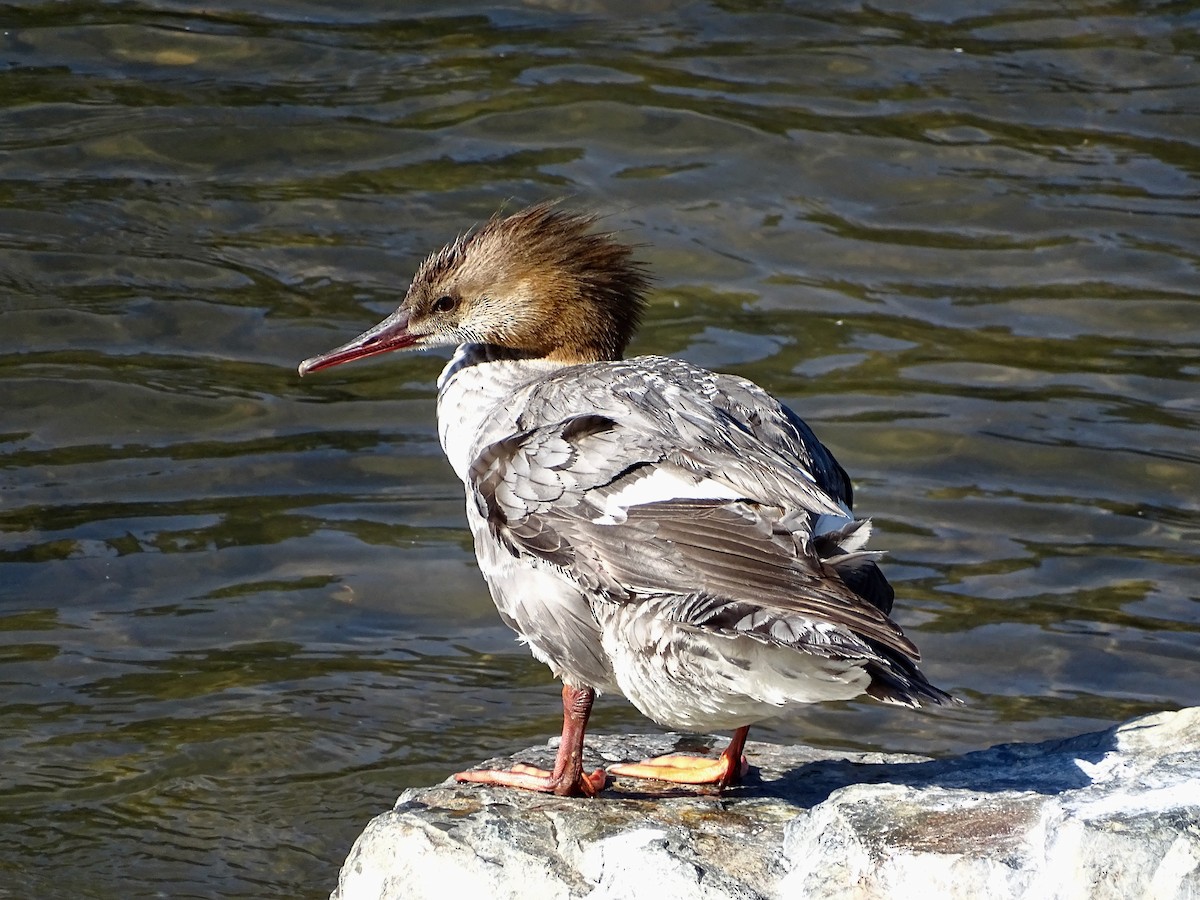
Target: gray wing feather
x=719, y=426
x=744, y=566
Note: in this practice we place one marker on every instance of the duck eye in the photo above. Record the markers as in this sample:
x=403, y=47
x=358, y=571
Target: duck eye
x=444, y=304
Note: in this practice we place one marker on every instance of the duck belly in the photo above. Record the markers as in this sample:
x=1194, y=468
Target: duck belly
x=694, y=680
x=548, y=612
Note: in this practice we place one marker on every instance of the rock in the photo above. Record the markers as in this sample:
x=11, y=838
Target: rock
x=1114, y=814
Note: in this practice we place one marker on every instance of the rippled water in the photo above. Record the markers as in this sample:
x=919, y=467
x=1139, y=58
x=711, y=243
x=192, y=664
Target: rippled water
x=239, y=613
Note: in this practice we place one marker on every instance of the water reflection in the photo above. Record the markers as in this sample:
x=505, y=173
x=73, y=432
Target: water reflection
x=239, y=613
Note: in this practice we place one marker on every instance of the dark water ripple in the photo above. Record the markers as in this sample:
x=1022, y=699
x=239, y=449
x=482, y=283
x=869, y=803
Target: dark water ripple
x=239, y=613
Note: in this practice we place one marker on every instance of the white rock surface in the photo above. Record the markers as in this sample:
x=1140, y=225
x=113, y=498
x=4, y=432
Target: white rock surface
x=1113, y=814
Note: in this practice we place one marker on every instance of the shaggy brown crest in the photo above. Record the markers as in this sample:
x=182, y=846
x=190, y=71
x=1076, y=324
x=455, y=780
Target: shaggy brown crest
x=555, y=287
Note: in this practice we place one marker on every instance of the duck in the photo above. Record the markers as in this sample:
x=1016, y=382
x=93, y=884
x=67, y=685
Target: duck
x=646, y=526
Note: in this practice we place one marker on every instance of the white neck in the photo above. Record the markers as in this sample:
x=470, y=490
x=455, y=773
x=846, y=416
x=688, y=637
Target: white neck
x=479, y=399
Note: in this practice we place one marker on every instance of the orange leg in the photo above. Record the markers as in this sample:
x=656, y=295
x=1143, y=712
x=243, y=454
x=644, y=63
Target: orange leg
x=723, y=771
x=568, y=778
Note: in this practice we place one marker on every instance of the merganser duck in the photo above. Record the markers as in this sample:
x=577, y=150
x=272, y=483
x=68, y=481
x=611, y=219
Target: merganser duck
x=646, y=526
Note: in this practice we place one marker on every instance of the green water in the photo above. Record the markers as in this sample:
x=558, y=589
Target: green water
x=239, y=612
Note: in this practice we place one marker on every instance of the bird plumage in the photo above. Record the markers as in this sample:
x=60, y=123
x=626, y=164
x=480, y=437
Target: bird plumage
x=644, y=525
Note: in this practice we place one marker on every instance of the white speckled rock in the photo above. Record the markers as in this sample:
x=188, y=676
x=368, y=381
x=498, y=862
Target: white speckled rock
x=1114, y=814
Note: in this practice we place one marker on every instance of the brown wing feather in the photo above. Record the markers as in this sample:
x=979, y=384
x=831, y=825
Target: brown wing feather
x=728, y=551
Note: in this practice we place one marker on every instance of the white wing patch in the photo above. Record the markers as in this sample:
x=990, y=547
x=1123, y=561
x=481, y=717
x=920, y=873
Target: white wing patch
x=662, y=484
x=856, y=541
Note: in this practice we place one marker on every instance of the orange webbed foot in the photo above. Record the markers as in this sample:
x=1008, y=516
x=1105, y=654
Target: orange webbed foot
x=682, y=769
x=531, y=778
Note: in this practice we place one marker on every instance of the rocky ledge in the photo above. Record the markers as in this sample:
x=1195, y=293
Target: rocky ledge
x=1113, y=814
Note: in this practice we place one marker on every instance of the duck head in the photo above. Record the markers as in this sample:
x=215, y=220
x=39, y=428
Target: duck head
x=540, y=283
